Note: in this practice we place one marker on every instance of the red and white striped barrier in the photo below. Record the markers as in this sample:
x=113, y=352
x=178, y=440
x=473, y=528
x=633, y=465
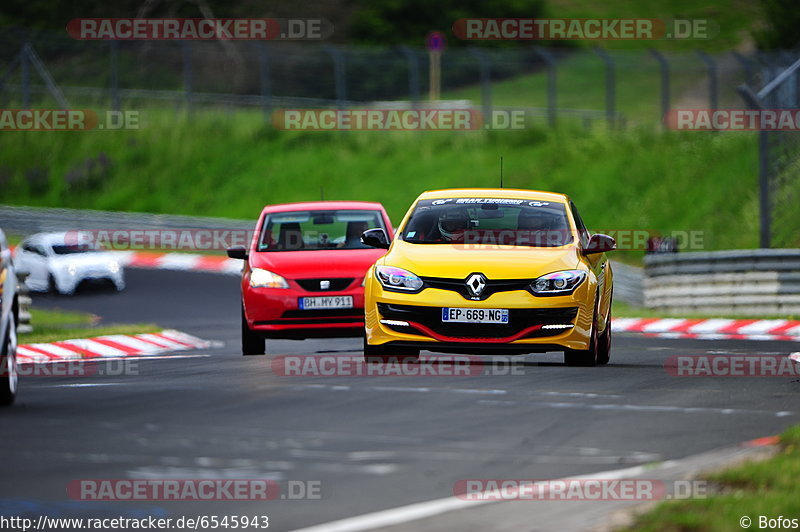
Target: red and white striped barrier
x=711, y=329
x=111, y=346
x=179, y=261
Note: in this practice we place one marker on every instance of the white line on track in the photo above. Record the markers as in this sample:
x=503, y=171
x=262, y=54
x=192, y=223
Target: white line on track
x=548, y=404
x=87, y=384
x=422, y=510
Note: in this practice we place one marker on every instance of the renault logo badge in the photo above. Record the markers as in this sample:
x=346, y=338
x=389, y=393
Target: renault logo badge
x=476, y=284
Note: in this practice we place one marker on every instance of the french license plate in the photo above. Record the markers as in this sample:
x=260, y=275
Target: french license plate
x=313, y=303
x=475, y=315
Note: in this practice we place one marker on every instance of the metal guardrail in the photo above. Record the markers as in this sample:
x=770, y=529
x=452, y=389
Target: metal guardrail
x=757, y=282
x=28, y=220
x=628, y=284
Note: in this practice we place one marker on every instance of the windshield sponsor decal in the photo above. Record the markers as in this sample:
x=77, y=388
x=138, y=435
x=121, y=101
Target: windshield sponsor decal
x=494, y=201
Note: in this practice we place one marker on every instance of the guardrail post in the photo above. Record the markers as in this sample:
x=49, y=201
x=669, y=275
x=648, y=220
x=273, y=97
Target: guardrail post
x=24, y=299
x=610, y=86
x=664, y=67
x=712, y=77
x=485, y=67
x=550, y=61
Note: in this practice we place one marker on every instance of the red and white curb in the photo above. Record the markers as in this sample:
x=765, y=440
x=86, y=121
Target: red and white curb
x=111, y=346
x=711, y=329
x=179, y=261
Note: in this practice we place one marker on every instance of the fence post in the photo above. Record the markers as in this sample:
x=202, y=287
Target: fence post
x=339, y=78
x=266, y=86
x=610, y=86
x=746, y=66
x=663, y=64
x=712, y=77
x=548, y=58
x=187, y=73
x=25, y=72
x=485, y=67
x=413, y=74
x=754, y=102
x=114, y=46
x=788, y=58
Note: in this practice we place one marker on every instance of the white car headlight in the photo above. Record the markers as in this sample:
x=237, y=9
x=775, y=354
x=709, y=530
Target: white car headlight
x=397, y=279
x=558, y=283
x=266, y=279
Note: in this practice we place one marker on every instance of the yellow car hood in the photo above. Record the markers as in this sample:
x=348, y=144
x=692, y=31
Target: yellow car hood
x=500, y=262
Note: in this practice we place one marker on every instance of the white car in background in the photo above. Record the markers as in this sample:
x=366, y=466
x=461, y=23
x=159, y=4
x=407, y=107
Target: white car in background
x=60, y=262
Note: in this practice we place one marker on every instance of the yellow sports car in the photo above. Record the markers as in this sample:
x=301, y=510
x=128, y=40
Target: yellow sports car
x=490, y=271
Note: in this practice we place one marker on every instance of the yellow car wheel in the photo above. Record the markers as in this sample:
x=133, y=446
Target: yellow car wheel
x=604, y=342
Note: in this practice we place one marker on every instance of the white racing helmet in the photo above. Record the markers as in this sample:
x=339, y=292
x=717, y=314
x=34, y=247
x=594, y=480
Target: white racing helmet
x=452, y=222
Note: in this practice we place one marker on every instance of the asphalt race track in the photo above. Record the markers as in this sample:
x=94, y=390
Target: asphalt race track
x=371, y=443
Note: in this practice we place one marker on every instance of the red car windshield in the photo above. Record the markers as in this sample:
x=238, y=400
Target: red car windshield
x=317, y=230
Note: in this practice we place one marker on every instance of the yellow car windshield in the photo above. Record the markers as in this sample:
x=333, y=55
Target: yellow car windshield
x=485, y=221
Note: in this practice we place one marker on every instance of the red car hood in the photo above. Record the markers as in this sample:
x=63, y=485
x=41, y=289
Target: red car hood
x=316, y=264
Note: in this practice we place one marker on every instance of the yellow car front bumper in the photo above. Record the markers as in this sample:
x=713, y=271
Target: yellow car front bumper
x=536, y=323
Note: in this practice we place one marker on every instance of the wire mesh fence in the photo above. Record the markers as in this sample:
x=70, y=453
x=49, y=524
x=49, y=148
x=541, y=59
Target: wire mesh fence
x=550, y=83
x=779, y=153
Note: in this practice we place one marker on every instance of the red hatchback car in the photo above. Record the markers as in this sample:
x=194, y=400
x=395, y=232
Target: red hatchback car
x=304, y=271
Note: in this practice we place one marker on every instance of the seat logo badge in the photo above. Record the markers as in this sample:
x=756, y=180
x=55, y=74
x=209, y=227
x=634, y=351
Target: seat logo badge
x=476, y=284
x=324, y=285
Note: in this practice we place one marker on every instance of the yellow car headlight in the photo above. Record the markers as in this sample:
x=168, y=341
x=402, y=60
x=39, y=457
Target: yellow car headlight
x=266, y=279
x=558, y=283
x=398, y=279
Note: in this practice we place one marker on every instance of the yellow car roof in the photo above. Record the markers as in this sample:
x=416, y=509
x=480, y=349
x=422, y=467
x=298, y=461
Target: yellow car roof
x=510, y=193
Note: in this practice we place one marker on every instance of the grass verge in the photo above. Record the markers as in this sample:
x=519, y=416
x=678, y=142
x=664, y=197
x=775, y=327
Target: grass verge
x=231, y=165
x=56, y=325
x=766, y=488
